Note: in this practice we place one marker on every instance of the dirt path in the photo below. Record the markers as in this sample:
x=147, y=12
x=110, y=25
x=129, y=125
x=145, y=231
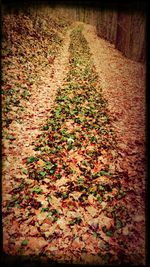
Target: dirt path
x=33, y=118
x=123, y=85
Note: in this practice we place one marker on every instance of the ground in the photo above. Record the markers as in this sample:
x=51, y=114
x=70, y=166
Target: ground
x=73, y=150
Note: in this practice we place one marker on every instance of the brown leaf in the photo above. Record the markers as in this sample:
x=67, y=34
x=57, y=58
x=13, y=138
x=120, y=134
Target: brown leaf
x=37, y=243
x=125, y=230
x=48, y=221
x=55, y=202
x=138, y=218
x=33, y=230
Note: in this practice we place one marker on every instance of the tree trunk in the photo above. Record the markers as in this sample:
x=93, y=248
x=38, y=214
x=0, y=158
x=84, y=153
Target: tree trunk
x=130, y=37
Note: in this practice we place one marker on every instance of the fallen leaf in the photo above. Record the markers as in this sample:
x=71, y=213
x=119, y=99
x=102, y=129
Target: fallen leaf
x=92, y=211
x=138, y=218
x=55, y=202
x=40, y=163
x=62, y=223
x=53, y=248
x=41, y=217
x=91, y=199
x=33, y=230
x=125, y=230
x=36, y=243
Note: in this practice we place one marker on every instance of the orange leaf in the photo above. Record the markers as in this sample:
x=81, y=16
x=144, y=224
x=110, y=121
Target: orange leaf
x=40, y=163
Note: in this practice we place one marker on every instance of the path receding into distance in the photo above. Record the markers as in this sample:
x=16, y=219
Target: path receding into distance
x=37, y=112
x=123, y=86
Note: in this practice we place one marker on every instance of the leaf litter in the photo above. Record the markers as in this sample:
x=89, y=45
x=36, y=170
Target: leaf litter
x=70, y=191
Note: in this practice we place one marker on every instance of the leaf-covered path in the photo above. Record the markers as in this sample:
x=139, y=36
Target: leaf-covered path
x=123, y=85
x=37, y=110
x=71, y=183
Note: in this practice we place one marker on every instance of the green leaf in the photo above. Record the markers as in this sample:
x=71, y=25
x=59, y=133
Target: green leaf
x=78, y=220
x=48, y=198
x=10, y=137
x=95, y=234
x=102, y=188
x=105, y=173
x=44, y=209
x=64, y=195
x=45, y=127
x=72, y=222
x=58, y=113
x=22, y=108
x=48, y=165
x=49, y=214
x=80, y=180
x=119, y=223
x=58, y=176
x=42, y=173
x=37, y=190
x=24, y=242
x=104, y=229
x=70, y=140
x=93, y=139
x=55, y=219
x=99, y=198
x=69, y=146
x=25, y=171
x=52, y=171
x=109, y=233
x=31, y=159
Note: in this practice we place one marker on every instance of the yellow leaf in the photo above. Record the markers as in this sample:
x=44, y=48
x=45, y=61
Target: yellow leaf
x=90, y=198
x=76, y=195
x=41, y=217
x=92, y=211
x=55, y=202
x=69, y=123
x=53, y=248
x=61, y=223
x=62, y=181
x=40, y=163
x=125, y=230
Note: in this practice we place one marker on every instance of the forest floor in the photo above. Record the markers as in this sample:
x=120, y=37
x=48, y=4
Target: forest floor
x=74, y=152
